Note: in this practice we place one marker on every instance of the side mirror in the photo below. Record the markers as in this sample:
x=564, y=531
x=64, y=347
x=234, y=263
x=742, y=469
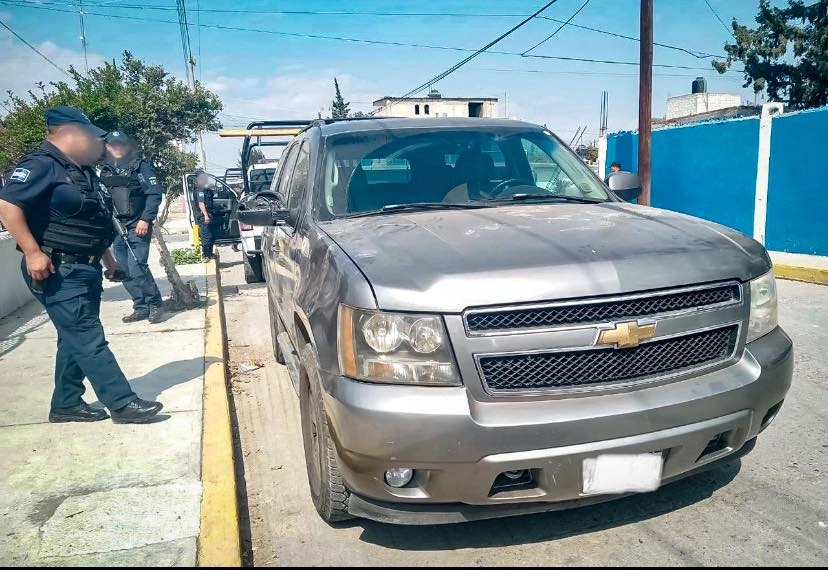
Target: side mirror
x=263, y=217
x=626, y=185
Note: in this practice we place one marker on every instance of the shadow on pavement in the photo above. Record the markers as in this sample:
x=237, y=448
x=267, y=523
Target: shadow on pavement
x=528, y=529
x=152, y=384
x=31, y=317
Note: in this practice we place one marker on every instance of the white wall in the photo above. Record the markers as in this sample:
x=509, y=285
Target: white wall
x=13, y=291
x=436, y=108
x=695, y=103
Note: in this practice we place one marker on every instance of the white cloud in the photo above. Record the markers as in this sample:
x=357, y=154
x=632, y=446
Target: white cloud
x=21, y=68
x=289, y=94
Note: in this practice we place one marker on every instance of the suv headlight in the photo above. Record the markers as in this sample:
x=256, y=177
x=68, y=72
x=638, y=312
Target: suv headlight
x=763, y=317
x=395, y=348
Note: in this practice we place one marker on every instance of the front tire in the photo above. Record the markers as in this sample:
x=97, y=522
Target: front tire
x=253, y=269
x=328, y=490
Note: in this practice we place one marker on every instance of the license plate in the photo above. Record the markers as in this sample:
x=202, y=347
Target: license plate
x=622, y=473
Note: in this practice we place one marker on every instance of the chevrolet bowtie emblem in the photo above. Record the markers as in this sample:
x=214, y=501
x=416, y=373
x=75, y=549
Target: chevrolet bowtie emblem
x=627, y=335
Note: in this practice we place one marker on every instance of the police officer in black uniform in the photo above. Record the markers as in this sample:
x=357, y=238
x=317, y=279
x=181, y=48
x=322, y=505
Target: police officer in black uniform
x=60, y=215
x=204, y=214
x=136, y=195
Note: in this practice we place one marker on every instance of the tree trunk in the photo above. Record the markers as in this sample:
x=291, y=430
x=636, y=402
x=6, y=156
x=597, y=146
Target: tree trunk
x=183, y=295
x=165, y=211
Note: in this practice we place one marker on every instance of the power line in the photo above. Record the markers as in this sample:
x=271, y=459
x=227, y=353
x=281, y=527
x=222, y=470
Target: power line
x=598, y=73
x=729, y=31
x=379, y=42
x=83, y=35
x=198, y=22
x=559, y=28
x=34, y=49
x=464, y=61
x=695, y=53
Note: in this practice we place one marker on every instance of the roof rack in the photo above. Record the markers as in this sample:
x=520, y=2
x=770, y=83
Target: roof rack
x=256, y=135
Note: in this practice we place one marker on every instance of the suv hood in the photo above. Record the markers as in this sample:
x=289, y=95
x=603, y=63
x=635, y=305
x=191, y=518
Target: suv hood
x=449, y=260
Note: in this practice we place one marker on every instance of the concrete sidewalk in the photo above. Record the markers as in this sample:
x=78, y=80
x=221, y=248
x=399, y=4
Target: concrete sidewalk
x=100, y=493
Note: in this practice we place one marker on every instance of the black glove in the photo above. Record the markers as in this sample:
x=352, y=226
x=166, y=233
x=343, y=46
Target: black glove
x=115, y=275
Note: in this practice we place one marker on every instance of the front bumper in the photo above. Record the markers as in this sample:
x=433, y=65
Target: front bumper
x=459, y=446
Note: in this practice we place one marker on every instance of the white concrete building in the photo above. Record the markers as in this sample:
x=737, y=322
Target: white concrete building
x=698, y=103
x=435, y=105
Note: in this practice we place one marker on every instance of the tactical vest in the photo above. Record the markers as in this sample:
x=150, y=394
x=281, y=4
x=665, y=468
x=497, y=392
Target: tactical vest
x=209, y=196
x=128, y=196
x=90, y=230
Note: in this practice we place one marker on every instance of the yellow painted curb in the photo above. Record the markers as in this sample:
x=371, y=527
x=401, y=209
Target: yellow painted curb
x=218, y=541
x=799, y=273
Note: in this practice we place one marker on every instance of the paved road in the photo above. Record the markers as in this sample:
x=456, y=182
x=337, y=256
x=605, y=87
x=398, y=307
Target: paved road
x=770, y=508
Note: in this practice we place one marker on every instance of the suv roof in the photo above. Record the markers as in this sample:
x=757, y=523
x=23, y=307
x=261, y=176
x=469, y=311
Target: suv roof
x=381, y=123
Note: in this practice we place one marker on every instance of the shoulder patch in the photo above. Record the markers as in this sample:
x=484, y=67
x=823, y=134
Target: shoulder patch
x=20, y=175
x=153, y=180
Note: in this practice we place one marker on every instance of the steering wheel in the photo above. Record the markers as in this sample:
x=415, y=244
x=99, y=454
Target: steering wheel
x=506, y=184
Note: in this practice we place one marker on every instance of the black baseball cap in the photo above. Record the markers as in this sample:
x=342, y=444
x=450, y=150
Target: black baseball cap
x=117, y=137
x=64, y=115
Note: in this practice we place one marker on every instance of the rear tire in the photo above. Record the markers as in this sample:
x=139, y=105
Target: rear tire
x=328, y=490
x=253, y=269
x=276, y=329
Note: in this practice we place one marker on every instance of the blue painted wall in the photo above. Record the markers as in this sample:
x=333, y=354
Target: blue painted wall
x=623, y=148
x=706, y=170
x=797, y=218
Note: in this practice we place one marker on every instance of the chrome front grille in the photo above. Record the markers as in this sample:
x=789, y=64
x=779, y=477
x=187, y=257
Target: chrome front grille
x=578, y=368
x=483, y=321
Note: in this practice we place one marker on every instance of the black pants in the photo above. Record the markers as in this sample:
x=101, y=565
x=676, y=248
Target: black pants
x=139, y=281
x=207, y=232
x=72, y=299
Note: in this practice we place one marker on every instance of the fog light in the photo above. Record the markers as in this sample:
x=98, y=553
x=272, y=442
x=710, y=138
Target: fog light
x=399, y=477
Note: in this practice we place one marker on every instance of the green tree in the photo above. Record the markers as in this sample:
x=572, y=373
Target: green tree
x=786, y=55
x=592, y=153
x=256, y=156
x=144, y=101
x=339, y=107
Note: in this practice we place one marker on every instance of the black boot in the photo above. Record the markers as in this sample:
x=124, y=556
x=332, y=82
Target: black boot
x=134, y=317
x=138, y=411
x=156, y=314
x=83, y=412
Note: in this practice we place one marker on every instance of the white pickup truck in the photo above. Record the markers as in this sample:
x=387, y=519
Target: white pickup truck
x=259, y=178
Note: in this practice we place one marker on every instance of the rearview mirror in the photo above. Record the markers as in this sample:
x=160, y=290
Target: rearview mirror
x=262, y=217
x=626, y=185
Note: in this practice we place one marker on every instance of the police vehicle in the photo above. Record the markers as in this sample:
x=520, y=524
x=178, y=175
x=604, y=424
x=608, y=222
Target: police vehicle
x=225, y=204
x=259, y=182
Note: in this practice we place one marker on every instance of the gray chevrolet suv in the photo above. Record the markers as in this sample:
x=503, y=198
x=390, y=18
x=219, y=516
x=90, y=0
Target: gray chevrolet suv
x=477, y=326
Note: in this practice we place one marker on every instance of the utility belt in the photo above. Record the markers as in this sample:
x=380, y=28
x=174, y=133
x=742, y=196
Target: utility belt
x=59, y=257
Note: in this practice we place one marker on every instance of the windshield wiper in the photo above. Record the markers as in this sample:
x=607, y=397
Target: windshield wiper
x=544, y=197
x=414, y=206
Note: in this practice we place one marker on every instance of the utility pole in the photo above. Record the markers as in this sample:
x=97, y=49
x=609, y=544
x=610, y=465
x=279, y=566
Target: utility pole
x=645, y=101
x=83, y=35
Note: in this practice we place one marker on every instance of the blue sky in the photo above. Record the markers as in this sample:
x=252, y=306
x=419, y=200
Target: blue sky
x=267, y=75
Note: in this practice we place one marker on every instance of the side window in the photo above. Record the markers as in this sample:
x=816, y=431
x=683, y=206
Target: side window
x=281, y=185
x=299, y=180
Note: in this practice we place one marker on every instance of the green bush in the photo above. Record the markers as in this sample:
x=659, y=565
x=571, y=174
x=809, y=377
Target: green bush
x=185, y=256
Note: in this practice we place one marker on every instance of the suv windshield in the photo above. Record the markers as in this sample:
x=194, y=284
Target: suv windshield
x=368, y=171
